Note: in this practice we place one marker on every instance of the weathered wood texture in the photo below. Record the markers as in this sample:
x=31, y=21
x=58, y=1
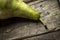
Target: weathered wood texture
x=49, y=36
x=49, y=11
x=19, y=27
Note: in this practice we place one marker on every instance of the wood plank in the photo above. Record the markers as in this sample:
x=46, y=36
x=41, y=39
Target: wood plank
x=20, y=27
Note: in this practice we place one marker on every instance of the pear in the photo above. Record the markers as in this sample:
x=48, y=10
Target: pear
x=17, y=8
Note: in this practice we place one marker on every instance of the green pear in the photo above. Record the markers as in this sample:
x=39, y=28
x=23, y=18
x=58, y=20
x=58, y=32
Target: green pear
x=17, y=8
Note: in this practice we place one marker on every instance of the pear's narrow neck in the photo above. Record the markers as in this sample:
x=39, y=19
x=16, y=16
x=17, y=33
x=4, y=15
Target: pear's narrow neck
x=23, y=10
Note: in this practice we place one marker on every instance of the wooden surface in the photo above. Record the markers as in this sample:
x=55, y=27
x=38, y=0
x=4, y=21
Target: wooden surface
x=15, y=28
x=18, y=28
x=49, y=11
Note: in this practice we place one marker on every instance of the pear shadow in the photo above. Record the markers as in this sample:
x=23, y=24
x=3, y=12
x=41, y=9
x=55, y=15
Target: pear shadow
x=11, y=21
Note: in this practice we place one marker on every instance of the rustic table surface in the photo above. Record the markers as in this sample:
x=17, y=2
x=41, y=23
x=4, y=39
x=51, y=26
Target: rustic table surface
x=26, y=29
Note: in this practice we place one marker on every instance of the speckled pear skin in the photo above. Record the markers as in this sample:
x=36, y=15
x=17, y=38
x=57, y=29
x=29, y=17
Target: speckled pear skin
x=17, y=8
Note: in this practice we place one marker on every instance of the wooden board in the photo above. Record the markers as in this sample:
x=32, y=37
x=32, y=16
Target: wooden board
x=13, y=28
